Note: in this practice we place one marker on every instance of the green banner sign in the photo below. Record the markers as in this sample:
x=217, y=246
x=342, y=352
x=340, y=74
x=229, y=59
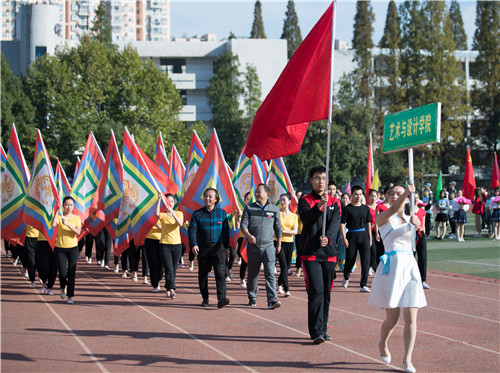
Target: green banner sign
x=411, y=128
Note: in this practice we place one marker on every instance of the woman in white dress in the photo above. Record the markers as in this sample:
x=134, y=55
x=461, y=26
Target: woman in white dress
x=397, y=283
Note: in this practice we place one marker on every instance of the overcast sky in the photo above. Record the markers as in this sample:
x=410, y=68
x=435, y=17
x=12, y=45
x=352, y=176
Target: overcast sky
x=191, y=18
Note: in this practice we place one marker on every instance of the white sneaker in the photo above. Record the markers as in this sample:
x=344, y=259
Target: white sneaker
x=228, y=279
x=364, y=289
x=453, y=236
x=370, y=272
x=90, y=261
x=280, y=290
x=44, y=289
x=345, y=284
x=287, y=294
x=145, y=281
x=50, y=292
x=425, y=286
x=243, y=284
x=107, y=267
x=33, y=285
x=117, y=269
x=102, y=264
x=156, y=289
x=26, y=274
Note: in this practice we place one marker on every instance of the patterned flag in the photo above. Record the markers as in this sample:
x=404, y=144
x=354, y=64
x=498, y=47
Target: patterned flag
x=165, y=184
x=196, y=154
x=177, y=170
x=3, y=158
x=279, y=182
x=42, y=199
x=93, y=224
x=108, y=195
x=87, y=178
x=140, y=193
x=15, y=179
x=249, y=173
x=212, y=173
x=161, y=159
x=62, y=184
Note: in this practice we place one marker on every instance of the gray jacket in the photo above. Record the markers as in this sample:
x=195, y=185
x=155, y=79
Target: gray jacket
x=262, y=222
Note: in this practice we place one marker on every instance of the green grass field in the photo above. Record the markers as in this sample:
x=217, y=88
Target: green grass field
x=476, y=256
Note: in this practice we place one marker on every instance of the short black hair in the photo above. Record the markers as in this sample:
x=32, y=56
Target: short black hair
x=355, y=188
x=332, y=183
x=287, y=195
x=169, y=195
x=387, y=189
x=267, y=188
x=217, y=197
x=317, y=169
x=67, y=198
x=371, y=191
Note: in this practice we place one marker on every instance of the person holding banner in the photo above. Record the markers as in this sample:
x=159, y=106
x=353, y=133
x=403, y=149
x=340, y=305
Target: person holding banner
x=397, y=283
x=46, y=264
x=69, y=226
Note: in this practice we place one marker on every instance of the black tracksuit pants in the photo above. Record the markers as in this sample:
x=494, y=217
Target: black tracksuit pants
x=208, y=257
x=358, y=241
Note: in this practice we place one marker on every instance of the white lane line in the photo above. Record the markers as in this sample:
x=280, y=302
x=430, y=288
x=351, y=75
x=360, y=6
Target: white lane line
x=61, y=320
x=464, y=314
x=470, y=263
x=468, y=295
x=451, y=277
x=174, y=326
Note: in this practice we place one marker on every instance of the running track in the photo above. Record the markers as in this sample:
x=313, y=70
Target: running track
x=116, y=325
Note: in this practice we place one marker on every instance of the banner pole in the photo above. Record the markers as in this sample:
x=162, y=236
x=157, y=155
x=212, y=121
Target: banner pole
x=330, y=112
x=411, y=180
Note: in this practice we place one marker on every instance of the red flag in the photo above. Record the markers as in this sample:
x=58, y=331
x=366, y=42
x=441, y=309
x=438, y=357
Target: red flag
x=469, y=184
x=300, y=96
x=369, y=170
x=495, y=176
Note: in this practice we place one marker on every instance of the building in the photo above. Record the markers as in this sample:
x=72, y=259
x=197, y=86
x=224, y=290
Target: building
x=138, y=20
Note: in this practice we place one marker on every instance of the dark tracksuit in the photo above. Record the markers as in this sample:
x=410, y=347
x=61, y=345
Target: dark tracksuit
x=209, y=230
x=318, y=262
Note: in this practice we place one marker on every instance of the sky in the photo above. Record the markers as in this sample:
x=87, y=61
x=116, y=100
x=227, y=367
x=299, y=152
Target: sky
x=189, y=18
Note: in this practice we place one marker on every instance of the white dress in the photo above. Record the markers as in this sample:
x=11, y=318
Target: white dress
x=400, y=284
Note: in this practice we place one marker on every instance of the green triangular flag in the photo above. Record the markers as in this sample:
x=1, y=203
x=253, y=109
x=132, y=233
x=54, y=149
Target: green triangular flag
x=439, y=185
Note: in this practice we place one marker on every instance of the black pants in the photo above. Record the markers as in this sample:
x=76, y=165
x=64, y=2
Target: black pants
x=428, y=224
x=46, y=263
x=29, y=256
x=66, y=260
x=155, y=261
x=103, y=242
x=319, y=283
x=21, y=253
x=81, y=244
x=170, y=255
x=453, y=226
x=145, y=264
x=134, y=255
x=89, y=243
x=421, y=251
x=125, y=260
x=243, y=265
x=358, y=241
x=298, y=262
x=285, y=260
x=208, y=257
x=379, y=250
x=230, y=260
x=373, y=252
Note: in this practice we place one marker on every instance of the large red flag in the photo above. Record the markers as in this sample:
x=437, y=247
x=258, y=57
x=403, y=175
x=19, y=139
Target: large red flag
x=469, y=184
x=369, y=169
x=495, y=176
x=300, y=96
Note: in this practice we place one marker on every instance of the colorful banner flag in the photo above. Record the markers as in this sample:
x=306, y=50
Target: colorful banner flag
x=439, y=185
x=108, y=195
x=369, y=168
x=62, y=183
x=279, y=182
x=495, y=175
x=177, y=169
x=42, y=199
x=377, y=184
x=3, y=159
x=15, y=180
x=212, y=173
x=93, y=224
x=469, y=183
x=87, y=178
x=300, y=96
x=165, y=184
x=161, y=159
x=242, y=179
x=196, y=154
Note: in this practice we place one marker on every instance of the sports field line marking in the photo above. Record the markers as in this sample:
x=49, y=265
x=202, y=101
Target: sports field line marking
x=464, y=279
x=230, y=358
x=61, y=320
x=468, y=295
x=464, y=314
x=470, y=263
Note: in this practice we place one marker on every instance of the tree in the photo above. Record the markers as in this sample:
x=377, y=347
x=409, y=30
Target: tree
x=362, y=44
x=101, y=28
x=223, y=94
x=291, y=29
x=16, y=108
x=486, y=92
x=457, y=26
x=93, y=88
x=252, y=92
x=258, y=24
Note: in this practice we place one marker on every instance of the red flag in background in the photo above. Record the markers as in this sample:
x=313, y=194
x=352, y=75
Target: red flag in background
x=369, y=170
x=469, y=184
x=300, y=96
x=495, y=175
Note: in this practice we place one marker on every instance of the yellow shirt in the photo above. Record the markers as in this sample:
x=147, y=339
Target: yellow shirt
x=287, y=224
x=155, y=232
x=41, y=237
x=66, y=238
x=170, y=230
x=31, y=232
x=300, y=226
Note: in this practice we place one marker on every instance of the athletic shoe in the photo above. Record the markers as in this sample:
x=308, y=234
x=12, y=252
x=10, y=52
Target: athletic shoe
x=297, y=272
x=70, y=301
x=62, y=294
x=252, y=303
x=107, y=267
x=191, y=266
x=180, y=265
x=326, y=337
x=44, y=289
x=273, y=305
x=231, y=276
x=425, y=286
x=204, y=303
x=280, y=290
x=210, y=274
x=124, y=275
x=345, y=284
x=228, y=279
x=287, y=294
x=50, y=292
x=145, y=281
x=33, y=285
x=364, y=289
x=102, y=264
x=243, y=284
x=98, y=262
x=90, y=261
x=222, y=303
x=168, y=294
x=452, y=235
x=318, y=340
x=156, y=289
x=172, y=294
x=117, y=269
x=370, y=272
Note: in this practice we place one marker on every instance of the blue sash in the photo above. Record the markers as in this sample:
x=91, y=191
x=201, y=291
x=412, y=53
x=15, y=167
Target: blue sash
x=385, y=259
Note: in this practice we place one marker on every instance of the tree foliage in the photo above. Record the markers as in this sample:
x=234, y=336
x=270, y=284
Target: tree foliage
x=257, y=31
x=17, y=109
x=291, y=30
x=101, y=28
x=457, y=26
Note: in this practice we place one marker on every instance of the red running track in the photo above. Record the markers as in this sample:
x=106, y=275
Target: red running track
x=117, y=325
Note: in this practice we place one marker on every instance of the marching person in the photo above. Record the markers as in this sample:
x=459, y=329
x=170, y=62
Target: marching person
x=318, y=252
x=208, y=238
x=69, y=226
x=29, y=254
x=260, y=223
x=46, y=264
